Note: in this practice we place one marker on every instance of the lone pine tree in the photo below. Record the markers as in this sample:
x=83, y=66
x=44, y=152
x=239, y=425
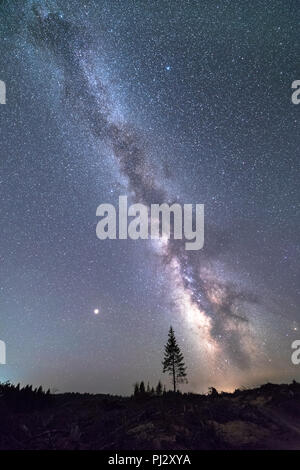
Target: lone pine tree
x=173, y=360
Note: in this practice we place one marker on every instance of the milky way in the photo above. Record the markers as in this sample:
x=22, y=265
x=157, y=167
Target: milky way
x=219, y=298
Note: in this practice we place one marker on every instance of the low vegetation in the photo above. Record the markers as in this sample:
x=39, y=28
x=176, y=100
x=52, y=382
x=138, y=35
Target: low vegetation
x=152, y=418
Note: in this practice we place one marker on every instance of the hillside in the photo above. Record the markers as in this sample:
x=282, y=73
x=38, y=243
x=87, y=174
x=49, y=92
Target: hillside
x=263, y=418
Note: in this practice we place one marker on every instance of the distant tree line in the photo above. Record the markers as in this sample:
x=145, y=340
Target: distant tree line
x=26, y=398
x=141, y=391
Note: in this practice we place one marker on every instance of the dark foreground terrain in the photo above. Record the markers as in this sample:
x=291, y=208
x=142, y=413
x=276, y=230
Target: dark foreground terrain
x=264, y=418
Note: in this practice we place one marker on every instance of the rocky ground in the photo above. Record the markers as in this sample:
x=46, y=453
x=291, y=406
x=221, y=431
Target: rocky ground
x=263, y=418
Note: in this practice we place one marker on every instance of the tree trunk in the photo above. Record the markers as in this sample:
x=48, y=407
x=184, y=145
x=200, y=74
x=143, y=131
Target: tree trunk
x=174, y=378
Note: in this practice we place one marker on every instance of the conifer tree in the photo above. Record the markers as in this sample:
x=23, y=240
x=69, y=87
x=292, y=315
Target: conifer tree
x=173, y=361
x=142, y=388
x=159, y=388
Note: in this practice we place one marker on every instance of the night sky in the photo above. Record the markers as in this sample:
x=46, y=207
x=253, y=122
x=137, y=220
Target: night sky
x=162, y=101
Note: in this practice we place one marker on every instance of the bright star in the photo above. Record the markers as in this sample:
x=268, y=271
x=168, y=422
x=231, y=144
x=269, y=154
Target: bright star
x=96, y=311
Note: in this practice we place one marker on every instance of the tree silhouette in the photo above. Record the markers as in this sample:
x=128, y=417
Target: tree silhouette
x=159, y=388
x=142, y=388
x=173, y=360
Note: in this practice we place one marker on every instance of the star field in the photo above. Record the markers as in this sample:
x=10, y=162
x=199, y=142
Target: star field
x=160, y=101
